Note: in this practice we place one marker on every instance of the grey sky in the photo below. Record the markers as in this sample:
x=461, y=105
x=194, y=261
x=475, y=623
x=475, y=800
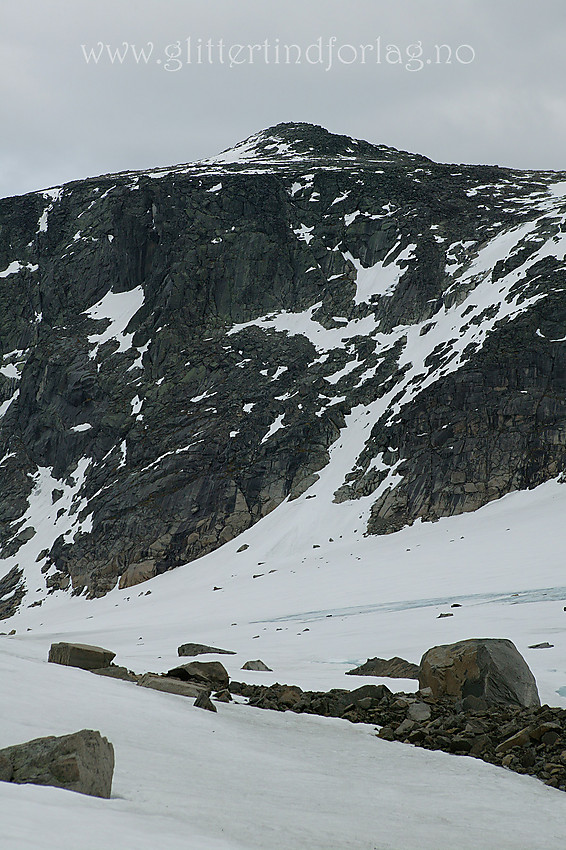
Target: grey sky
x=64, y=118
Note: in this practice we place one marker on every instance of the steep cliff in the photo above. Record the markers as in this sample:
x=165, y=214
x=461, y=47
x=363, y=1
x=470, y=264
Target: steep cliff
x=182, y=347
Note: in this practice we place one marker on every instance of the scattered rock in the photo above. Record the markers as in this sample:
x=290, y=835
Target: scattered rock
x=419, y=712
x=544, y=645
x=203, y=701
x=171, y=686
x=290, y=696
x=257, y=665
x=440, y=616
x=113, y=671
x=393, y=668
x=519, y=739
x=80, y=655
x=223, y=696
x=243, y=547
x=82, y=762
x=192, y=649
x=211, y=674
x=491, y=669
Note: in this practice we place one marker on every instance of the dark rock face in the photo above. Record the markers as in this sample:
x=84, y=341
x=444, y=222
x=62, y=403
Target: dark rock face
x=80, y=655
x=82, y=762
x=12, y=591
x=180, y=348
x=393, y=668
x=489, y=670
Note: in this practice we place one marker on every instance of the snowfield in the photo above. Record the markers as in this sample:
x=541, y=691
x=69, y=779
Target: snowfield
x=246, y=778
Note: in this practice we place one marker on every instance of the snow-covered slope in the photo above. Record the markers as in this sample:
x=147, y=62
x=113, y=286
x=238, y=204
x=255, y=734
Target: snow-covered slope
x=246, y=778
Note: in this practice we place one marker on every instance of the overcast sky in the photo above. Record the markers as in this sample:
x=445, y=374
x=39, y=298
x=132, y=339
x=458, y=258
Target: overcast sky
x=363, y=71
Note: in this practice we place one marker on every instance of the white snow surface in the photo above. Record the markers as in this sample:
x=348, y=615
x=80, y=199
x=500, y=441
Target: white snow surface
x=245, y=778
x=117, y=308
x=380, y=279
x=15, y=266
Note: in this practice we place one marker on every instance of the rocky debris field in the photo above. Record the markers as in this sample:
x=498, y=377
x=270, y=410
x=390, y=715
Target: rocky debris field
x=526, y=740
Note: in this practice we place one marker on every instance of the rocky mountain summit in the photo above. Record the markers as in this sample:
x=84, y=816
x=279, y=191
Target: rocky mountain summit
x=185, y=348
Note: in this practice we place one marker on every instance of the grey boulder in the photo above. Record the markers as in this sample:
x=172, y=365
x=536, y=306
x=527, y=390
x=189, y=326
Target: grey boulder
x=81, y=762
x=211, y=675
x=80, y=655
x=257, y=665
x=489, y=669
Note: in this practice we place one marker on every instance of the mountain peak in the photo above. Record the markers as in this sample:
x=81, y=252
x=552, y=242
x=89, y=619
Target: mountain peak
x=294, y=141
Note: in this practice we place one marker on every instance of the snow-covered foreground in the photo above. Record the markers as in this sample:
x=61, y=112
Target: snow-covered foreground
x=247, y=778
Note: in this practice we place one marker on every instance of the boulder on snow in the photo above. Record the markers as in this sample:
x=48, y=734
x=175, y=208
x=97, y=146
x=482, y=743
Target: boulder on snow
x=192, y=649
x=203, y=701
x=82, y=762
x=209, y=674
x=392, y=668
x=257, y=665
x=171, y=686
x=80, y=655
x=488, y=669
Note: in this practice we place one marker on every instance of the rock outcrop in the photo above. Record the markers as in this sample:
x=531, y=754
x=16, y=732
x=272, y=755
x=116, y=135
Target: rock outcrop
x=82, y=762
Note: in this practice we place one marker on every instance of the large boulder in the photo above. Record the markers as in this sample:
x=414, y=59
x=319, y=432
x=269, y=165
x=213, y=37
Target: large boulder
x=487, y=669
x=210, y=674
x=391, y=668
x=80, y=655
x=82, y=762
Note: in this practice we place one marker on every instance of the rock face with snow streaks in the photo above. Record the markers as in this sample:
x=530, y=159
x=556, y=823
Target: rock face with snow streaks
x=181, y=348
